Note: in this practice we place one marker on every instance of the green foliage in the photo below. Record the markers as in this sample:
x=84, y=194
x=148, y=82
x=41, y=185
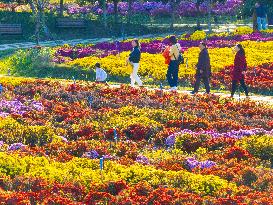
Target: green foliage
x=249, y=5
x=31, y=61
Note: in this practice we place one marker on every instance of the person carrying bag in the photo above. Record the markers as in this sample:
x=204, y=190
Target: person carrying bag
x=176, y=59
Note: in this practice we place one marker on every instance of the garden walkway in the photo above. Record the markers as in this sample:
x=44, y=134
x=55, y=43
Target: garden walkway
x=216, y=28
x=256, y=98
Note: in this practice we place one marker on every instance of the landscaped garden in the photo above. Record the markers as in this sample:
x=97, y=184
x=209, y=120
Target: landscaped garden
x=78, y=61
x=158, y=148
x=67, y=140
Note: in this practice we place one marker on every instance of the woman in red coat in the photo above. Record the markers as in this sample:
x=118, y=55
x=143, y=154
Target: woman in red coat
x=240, y=66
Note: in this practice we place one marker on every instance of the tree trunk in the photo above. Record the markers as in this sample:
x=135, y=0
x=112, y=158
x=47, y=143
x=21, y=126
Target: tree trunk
x=209, y=17
x=116, y=10
x=104, y=13
x=40, y=23
x=30, y=2
x=172, y=3
x=61, y=8
x=198, y=23
x=37, y=30
x=129, y=11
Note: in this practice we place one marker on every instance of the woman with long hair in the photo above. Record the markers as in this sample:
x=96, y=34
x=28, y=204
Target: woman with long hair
x=172, y=73
x=134, y=59
x=240, y=66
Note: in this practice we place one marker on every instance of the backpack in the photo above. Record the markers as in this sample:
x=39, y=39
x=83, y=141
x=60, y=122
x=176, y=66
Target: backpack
x=166, y=55
x=180, y=58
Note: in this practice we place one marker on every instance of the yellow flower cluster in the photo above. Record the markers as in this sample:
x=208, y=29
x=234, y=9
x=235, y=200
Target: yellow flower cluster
x=153, y=65
x=198, y=35
x=87, y=171
x=243, y=30
x=268, y=31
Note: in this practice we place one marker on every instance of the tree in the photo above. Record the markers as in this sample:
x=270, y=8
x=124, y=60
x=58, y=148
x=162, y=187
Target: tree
x=209, y=16
x=129, y=10
x=38, y=11
x=198, y=23
x=116, y=10
x=104, y=13
x=173, y=4
x=61, y=8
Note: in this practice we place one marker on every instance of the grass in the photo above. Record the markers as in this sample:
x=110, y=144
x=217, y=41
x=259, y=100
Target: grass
x=6, y=53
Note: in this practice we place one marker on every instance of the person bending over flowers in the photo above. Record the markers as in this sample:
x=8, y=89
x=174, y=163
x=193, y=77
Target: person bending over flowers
x=101, y=75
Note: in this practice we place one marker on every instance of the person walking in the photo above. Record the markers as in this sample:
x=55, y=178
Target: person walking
x=238, y=73
x=134, y=59
x=173, y=68
x=203, y=71
x=261, y=16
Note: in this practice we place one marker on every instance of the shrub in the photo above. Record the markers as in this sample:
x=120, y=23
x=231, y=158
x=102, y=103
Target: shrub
x=30, y=62
x=258, y=146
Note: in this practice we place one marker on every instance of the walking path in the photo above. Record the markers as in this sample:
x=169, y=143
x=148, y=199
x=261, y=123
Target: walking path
x=69, y=42
x=216, y=28
x=257, y=98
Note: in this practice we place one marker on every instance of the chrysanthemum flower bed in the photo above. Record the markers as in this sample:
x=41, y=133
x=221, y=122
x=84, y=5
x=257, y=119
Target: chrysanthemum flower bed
x=158, y=148
x=258, y=48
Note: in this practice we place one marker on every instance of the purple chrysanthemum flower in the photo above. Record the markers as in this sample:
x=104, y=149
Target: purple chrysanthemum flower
x=170, y=141
x=142, y=159
x=16, y=146
x=92, y=154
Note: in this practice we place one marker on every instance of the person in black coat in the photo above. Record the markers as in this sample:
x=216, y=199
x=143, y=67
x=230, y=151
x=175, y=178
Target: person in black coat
x=134, y=59
x=203, y=71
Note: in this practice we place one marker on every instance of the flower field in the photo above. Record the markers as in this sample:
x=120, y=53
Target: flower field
x=258, y=48
x=157, y=147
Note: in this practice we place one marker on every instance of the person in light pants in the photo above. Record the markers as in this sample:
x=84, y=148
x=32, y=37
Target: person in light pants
x=134, y=59
x=134, y=76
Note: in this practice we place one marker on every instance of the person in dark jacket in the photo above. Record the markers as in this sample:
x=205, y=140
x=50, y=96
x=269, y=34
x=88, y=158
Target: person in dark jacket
x=134, y=59
x=261, y=16
x=203, y=71
x=240, y=66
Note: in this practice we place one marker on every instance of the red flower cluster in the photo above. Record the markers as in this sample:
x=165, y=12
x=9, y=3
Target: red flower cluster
x=238, y=153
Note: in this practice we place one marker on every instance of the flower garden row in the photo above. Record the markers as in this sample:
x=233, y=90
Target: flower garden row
x=53, y=136
x=111, y=56
x=153, y=69
x=156, y=45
